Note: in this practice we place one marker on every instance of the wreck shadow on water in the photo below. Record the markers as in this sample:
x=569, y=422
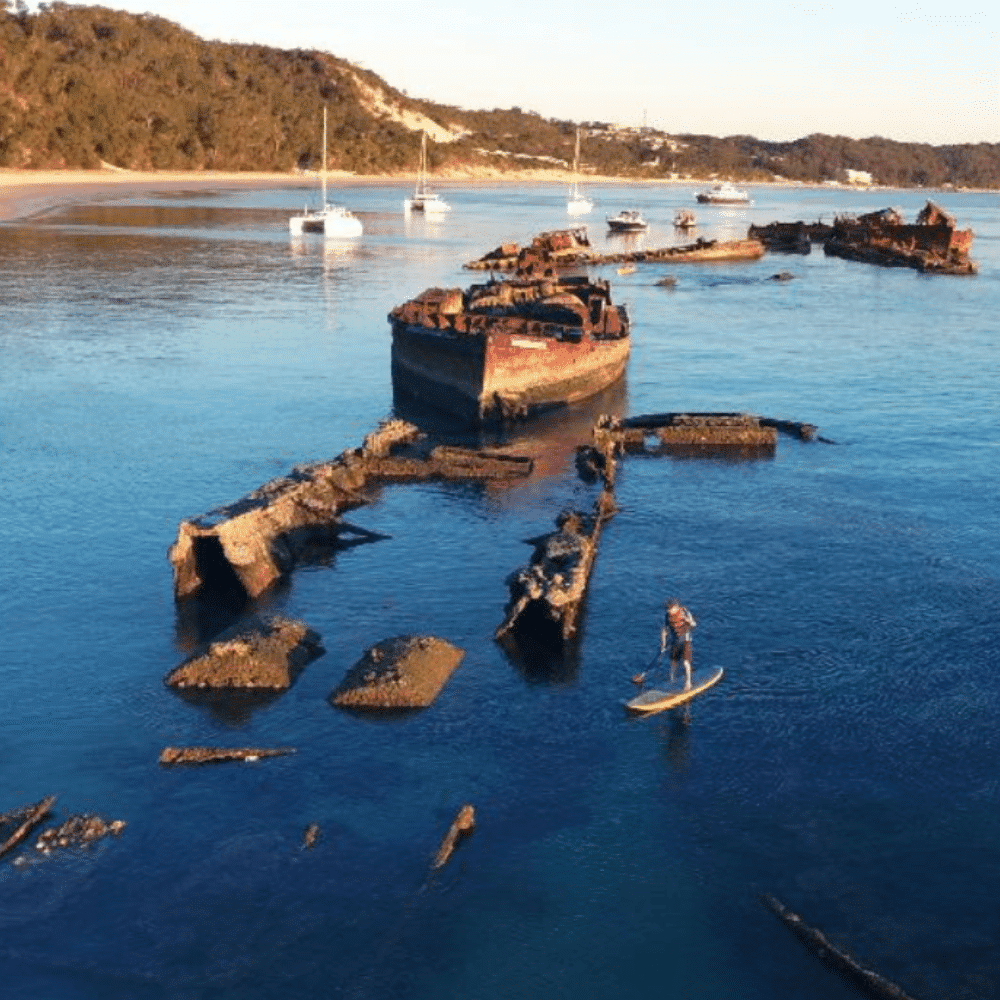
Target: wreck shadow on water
x=536, y=649
x=201, y=617
x=232, y=709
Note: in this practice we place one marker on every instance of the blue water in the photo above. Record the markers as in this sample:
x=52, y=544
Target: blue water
x=162, y=356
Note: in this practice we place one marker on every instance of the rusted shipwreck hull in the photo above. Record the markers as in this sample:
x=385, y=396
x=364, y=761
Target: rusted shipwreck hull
x=933, y=244
x=570, y=248
x=505, y=350
x=252, y=543
x=784, y=237
x=547, y=595
x=791, y=237
x=555, y=247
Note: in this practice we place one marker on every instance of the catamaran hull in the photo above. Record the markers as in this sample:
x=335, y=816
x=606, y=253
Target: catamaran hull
x=492, y=377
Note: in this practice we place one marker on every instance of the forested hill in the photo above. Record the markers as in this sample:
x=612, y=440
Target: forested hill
x=82, y=86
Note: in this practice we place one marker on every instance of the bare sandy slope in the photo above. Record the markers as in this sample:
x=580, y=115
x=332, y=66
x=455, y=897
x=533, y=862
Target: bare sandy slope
x=26, y=192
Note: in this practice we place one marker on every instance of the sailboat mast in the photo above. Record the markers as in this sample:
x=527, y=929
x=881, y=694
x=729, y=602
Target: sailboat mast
x=576, y=165
x=324, y=156
x=422, y=180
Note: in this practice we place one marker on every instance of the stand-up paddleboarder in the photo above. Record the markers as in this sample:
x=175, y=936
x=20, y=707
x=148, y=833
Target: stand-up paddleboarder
x=677, y=623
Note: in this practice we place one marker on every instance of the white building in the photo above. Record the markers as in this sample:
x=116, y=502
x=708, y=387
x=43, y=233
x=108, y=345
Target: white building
x=861, y=177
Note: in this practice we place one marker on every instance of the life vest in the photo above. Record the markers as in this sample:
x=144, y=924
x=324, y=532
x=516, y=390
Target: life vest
x=680, y=619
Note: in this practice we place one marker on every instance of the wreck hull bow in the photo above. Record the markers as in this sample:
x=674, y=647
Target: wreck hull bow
x=496, y=375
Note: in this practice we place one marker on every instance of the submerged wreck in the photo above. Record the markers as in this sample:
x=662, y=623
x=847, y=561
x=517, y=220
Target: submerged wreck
x=547, y=595
x=933, y=245
x=251, y=544
x=743, y=435
x=866, y=981
x=505, y=350
x=571, y=248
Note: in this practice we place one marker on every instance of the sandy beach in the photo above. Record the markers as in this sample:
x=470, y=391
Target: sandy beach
x=26, y=192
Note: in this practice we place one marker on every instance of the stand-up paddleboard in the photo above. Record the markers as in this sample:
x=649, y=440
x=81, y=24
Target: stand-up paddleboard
x=660, y=699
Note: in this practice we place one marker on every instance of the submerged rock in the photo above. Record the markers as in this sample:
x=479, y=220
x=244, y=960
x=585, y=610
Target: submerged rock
x=78, y=831
x=406, y=671
x=255, y=655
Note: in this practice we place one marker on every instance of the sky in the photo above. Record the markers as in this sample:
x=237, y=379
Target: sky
x=913, y=72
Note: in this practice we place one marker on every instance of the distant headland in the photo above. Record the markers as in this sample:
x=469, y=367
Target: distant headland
x=91, y=88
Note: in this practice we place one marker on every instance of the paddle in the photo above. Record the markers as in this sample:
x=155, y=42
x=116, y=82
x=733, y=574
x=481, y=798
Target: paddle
x=655, y=662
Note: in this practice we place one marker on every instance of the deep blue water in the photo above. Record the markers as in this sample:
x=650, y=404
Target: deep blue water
x=163, y=356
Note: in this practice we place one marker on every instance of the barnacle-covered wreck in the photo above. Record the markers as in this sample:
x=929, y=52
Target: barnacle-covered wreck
x=933, y=244
x=504, y=350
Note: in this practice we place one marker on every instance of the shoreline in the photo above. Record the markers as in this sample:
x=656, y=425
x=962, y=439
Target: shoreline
x=24, y=193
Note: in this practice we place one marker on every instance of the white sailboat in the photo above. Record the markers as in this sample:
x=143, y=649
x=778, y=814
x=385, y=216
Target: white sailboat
x=578, y=203
x=424, y=200
x=328, y=219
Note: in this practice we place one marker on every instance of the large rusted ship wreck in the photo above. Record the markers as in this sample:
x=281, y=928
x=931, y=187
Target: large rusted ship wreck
x=503, y=350
x=934, y=244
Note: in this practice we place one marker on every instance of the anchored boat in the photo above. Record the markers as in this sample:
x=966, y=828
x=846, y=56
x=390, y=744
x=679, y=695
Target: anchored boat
x=424, y=199
x=723, y=194
x=577, y=203
x=627, y=221
x=328, y=219
x=506, y=350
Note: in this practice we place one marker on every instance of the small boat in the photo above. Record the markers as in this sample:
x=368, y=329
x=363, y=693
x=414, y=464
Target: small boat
x=577, y=203
x=627, y=269
x=329, y=219
x=424, y=200
x=685, y=219
x=723, y=194
x=627, y=221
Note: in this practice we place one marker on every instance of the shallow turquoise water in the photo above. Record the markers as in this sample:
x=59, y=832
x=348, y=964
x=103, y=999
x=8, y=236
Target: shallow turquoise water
x=164, y=356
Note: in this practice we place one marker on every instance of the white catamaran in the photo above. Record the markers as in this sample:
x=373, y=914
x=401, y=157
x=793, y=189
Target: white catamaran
x=328, y=219
x=424, y=200
x=578, y=203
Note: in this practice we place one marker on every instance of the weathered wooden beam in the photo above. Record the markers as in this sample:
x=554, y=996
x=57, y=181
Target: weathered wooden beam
x=33, y=815
x=461, y=827
x=212, y=755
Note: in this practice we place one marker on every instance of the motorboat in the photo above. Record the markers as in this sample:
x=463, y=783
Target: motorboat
x=328, y=219
x=684, y=218
x=577, y=202
x=627, y=221
x=424, y=200
x=723, y=194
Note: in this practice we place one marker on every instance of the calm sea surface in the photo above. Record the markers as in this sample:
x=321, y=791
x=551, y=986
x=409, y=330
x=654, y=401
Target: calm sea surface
x=162, y=356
